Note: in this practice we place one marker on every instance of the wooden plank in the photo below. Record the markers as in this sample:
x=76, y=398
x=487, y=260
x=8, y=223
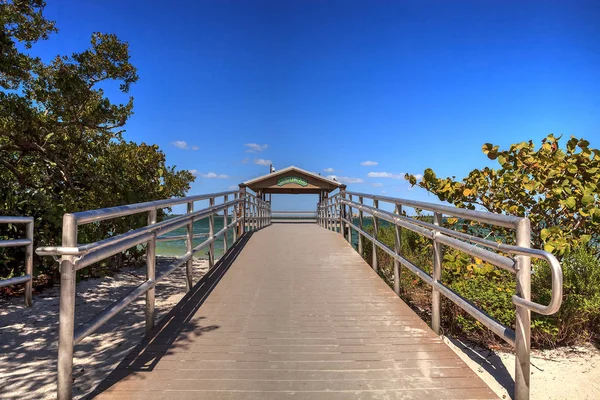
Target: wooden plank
x=294, y=313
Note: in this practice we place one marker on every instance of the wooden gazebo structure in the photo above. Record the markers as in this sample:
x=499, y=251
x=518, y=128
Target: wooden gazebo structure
x=292, y=180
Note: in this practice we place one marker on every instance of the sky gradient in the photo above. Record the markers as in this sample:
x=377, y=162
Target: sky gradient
x=228, y=86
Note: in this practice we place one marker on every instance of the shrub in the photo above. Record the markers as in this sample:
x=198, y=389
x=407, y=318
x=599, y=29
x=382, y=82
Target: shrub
x=579, y=316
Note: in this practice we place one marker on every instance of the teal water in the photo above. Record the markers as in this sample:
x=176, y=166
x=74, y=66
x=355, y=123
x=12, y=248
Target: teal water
x=178, y=248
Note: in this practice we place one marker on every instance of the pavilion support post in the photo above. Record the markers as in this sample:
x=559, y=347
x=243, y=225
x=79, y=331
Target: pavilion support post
x=374, y=244
x=397, y=249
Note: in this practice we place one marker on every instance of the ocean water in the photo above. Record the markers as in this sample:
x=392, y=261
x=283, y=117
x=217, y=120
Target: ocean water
x=178, y=248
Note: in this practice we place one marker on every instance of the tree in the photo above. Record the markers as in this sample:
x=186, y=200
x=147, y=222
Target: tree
x=555, y=187
x=61, y=143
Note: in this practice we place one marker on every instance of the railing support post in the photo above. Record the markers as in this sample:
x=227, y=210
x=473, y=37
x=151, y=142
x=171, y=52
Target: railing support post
x=225, y=224
x=29, y=264
x=436, y=301
x=342, y=211
x=349, y=218
x=375, y=229
x=254, y=214
x=523, y=324
x=150, y=274
x=189, y=265
x=236, y=215
x=360, y=225
x=397, y=249
x=211, y=233
x=66, y=317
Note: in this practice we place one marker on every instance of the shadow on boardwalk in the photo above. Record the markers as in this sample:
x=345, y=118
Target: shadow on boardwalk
x=176, y=324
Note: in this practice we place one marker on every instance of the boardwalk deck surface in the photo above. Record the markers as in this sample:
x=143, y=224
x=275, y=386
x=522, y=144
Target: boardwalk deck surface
x=295, y=313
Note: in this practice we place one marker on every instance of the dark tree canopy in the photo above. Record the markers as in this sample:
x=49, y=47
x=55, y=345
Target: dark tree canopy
x=61, y=143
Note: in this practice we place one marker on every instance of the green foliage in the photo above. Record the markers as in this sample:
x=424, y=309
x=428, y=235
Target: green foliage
x=579, y=316
x=555, y=187
x=61, y=144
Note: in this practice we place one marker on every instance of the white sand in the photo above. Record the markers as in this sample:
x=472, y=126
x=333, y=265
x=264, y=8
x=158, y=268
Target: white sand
x=564, y=373
x=28, y=336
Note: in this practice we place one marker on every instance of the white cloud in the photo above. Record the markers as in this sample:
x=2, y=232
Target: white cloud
x=383, y=192
x=377, y=184
x=369, y=163
x=193, y=172
x=255, y=147
x=246, y=160
x=262, y=161
x=233, y=187
x=330, y=170
x=385, y=175
x=181, y=144
x=212, y=175
x=418, y=176
x=345, y=179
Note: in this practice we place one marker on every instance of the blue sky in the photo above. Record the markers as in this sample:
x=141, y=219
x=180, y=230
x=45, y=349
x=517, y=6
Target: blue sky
x=228, y=86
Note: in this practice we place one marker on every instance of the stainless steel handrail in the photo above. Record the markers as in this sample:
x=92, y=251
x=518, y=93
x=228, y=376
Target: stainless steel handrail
x=248, y=213
x=26, y=242
x=335, y=214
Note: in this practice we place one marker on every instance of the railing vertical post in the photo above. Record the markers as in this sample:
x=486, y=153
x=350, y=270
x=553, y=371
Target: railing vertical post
x=243, y=214
x=436, y=300
x=67, y=311
x=150, y=273
x=342, y=211
x=189, y=265
x=211, y=233
x=397, y=249
x=235, y=215
x=375, y=229
x=225, y=224
x=29, y=264
x=360, y=225
x=254, y=214
x=262, y=214
x=349, y=218
x=523, y=324
x=332, y=219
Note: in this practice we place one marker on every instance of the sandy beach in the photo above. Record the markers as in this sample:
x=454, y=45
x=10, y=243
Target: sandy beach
x=28, y=336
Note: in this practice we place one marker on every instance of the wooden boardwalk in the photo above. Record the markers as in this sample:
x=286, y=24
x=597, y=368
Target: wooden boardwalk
x=292, y=312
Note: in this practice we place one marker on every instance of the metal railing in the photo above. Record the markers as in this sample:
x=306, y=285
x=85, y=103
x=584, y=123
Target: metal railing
x=300, y=215
x=26, y=242
x=336, y=214
x=247, y=213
